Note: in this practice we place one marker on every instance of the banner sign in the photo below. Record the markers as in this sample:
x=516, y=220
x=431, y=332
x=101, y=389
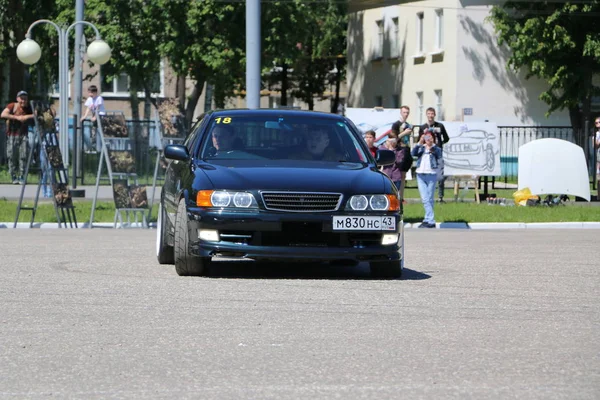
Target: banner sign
x=473, y=149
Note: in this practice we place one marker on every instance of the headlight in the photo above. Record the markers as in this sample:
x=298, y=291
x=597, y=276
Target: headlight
x=242, y=199
x=220, y=199
x=379, y=202
x=374, y=202
x=225, y=198
x=359, y=203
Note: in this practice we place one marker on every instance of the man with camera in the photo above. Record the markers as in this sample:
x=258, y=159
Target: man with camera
x=438, y=131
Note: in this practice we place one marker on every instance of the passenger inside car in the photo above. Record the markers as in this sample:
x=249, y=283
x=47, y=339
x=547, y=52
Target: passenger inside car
x=317, y=146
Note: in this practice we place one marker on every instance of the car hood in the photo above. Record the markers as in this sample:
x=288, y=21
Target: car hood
x=288, y=175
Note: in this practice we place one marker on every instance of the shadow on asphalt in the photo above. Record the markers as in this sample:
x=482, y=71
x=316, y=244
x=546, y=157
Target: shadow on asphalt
x=263, y=270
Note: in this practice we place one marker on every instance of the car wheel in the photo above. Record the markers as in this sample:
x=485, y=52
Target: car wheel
x=164, y=252
x=186, y=264
x=386, y=269
x=490, y=160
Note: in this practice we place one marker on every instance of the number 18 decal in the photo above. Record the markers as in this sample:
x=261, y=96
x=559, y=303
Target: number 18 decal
x=226, y=120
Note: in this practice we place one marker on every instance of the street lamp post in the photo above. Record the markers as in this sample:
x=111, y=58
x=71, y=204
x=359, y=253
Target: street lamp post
x=29, y=52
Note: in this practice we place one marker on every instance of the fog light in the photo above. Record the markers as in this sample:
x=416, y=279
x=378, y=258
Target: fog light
x=389, y=238
x=208, y=234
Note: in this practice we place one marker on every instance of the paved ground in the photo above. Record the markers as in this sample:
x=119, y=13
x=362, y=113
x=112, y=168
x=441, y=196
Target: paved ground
x=89, y=314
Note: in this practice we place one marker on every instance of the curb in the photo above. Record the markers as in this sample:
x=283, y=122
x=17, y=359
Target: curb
x=441, y=225
x=85, y=225
x=512, y=225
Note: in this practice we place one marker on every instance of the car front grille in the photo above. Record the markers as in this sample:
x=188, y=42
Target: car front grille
x=301, y=201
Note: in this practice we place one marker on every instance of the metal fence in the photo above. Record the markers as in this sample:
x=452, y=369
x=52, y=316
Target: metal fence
x=512, y=137
x=143, y=136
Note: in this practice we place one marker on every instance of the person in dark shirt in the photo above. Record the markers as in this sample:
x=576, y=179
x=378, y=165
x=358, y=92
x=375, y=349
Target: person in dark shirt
x=19, y=116
x=402, y=130
x=438, y=130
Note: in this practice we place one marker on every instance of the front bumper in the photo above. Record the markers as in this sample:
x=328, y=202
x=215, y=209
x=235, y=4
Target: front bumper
x=287, y=237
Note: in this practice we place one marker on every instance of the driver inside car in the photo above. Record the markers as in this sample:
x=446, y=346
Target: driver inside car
x=223, y=138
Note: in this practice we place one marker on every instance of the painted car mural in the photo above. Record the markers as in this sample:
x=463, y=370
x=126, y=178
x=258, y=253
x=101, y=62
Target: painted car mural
x=473, y=150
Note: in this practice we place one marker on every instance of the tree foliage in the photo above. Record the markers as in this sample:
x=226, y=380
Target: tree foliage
x=558, y=42
x=15, y=18
x=204, y=40
x=131, y=29
x=302, y=44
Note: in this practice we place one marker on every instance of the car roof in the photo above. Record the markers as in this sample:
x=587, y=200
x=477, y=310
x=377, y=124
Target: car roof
x=275, y=112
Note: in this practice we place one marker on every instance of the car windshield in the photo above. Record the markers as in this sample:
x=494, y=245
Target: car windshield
x=271, y=137
x=473, y=134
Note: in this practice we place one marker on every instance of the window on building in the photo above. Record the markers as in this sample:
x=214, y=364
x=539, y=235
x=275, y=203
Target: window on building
x=394, y=39
x=395, y=101
x=378, y=101
x=275, y=102
x=438, y=104
x=378, y=51
x=439, y=29
x=420, y=33
x=120, y=85
x=114, y=84
x=420, y=110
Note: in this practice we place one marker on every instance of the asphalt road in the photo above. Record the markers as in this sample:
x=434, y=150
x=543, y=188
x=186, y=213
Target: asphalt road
x=481, y=314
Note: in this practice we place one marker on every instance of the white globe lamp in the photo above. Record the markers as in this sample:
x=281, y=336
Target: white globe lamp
x=29, y=52
x=99, y=52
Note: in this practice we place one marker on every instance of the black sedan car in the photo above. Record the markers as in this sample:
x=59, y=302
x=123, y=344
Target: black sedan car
x=278, y=185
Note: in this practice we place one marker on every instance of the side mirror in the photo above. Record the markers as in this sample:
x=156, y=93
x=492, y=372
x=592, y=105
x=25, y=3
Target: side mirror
x=385, y=157
x=177, y=152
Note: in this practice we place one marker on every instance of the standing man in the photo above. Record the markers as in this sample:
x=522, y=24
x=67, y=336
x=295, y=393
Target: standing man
x=19, y=116
x=440, y=135
x=402, y=131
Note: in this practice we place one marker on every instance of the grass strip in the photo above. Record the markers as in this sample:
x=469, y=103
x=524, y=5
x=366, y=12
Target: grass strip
x=449, y=212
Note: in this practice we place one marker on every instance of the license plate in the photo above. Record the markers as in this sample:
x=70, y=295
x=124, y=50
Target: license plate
x=345, y=223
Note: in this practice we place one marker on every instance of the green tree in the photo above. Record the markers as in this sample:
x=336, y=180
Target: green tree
x=205, y=40
x=15, y=18
x=131, y=28
x=302, y=41
x=323, y=50
x=285, y=29
x=558, y=42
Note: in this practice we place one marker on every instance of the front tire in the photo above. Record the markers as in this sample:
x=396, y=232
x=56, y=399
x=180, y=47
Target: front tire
x=164, y=252
x=186, y=264
x=386, y=269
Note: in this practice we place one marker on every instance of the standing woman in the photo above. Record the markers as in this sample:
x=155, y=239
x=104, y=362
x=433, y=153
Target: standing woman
x=428, y=157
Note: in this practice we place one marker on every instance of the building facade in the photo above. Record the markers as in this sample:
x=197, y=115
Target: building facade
x=117, y=97
x=442, y=54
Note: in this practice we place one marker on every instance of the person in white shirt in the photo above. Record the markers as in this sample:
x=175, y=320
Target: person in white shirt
x=94, y=104
x=95, y=107
x=428, y=157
